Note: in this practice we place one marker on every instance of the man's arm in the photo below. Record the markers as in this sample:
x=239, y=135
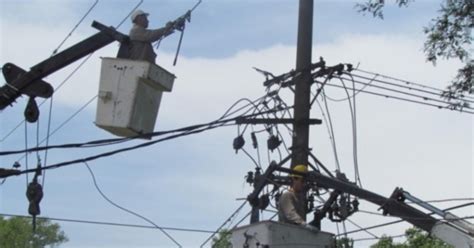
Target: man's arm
x=150, y=35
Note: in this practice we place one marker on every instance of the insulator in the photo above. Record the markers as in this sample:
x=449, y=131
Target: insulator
x=254, y=140
x=16, y=165
x=31, y=111
x=238, y=143
x=263, y=202
x=249, y=178
x=273, y=142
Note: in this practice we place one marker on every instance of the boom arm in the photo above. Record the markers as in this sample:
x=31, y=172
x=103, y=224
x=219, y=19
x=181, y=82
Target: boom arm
x=450, y=229
x=30, y=83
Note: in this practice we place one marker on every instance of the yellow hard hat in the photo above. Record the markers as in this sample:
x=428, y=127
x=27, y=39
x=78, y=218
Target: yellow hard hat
x=299, y=168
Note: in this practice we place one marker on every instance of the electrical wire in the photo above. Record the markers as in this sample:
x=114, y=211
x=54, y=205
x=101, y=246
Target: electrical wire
x=399, y=221
x=75, y=27
x=336, y=157
x=108, y=223
x=255, y=109
x=226, y=113
x=127, y=210
x=48, y=134
x=106, y=154
x=243, y=218
x=223, y=224
x=316, y=160
x=355, y=92
x=355, y=224
x=327, y=126
x=53, y=53
x=13, y=130
x=397, y=85
x=425, y=98
x=38, y=159
x=251, y=158
x=37, y=136
x=406, y=82
x=54, y=131
x=405, y=99
x=26, y=155
x=129, y=14
x=102, y=142
x=344, y=228
x=352, y=108
x=258, y=149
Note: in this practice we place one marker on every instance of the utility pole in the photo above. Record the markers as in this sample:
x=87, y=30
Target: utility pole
x=303, y=84
x=302, y=104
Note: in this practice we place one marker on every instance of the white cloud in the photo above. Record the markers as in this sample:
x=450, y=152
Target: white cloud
x=425, y=150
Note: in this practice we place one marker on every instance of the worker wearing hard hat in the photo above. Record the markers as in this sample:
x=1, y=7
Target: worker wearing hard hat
x=291, y=205
x=141, y=38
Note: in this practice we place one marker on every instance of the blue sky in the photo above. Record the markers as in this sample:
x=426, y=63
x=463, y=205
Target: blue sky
x=193, y=182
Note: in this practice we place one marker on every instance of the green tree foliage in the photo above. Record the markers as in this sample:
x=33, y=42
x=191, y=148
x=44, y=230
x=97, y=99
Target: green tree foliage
x=416, y=238
x=18, y=232
x=222, y=240
x=448, y=36
x=344, y=243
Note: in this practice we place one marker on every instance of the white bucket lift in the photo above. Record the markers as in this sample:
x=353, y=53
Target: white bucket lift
x=129, y=96
x=277, y=234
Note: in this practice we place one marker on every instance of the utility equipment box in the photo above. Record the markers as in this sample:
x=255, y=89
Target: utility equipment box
x=277, y=234
x=129, y=96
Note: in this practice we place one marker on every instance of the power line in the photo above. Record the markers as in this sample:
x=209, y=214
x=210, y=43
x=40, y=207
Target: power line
x=129, y=13
x=213, y=125
x=405, y=81
x=223, y=224
x=355, y=224
x=102, y=142
x=355, y=91
x=75, y=27
x=127, y=210
x=352, y=108
x=26, y=148
x=48, y=133
x=59, y=127
x=251, y=158
x=399, y=221
x=243, y=218
x=401, y=86
x=405, y=99
x=425, y=98
x=110, y=223
x=329, y=132
x=332, y=130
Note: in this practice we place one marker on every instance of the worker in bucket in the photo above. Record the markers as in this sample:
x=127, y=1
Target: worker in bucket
x=141, y=38
x=291, y=205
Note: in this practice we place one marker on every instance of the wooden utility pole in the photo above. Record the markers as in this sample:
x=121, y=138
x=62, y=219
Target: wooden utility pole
x=303, y=84
x=300, y=145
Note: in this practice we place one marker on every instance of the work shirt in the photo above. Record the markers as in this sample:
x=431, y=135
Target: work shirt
x=141, y=40
x=291, y=208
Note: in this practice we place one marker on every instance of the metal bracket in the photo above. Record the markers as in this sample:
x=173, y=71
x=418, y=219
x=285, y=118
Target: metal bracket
x=277, y=121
